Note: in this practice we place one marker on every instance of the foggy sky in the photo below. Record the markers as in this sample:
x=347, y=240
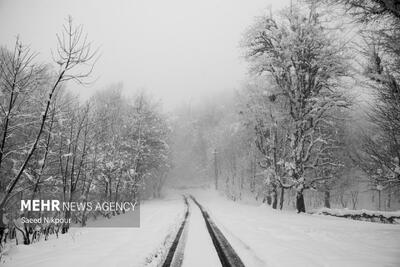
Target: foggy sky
x=178, y=50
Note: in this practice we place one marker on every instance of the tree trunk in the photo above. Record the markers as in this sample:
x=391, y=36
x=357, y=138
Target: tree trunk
x=65, y=225
x=300, y=206
x=327, y=196
x=253, y=177
x=274, y=196
x=3, y=227
x=379, y=199
x=27, y=240
x=282, y=196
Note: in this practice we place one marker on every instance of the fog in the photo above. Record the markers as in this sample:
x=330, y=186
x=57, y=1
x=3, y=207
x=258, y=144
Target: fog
x=203, y=132
x=177, y=50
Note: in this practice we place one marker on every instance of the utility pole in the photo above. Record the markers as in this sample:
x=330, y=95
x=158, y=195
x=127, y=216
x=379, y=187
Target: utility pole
x=216, y=169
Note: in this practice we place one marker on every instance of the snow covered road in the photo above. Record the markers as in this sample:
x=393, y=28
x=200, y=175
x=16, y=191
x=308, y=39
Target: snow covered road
x=199, y=242
x=265, y=237
x=199, y=250
x=259, y=235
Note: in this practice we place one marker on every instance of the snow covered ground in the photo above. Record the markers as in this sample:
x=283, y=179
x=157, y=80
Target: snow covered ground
x=265, y=237
x=260, y=236
x=107, y=246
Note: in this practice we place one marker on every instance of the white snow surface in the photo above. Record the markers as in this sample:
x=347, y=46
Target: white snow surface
x=262, y=236
x=199, y=250
x=160, y=220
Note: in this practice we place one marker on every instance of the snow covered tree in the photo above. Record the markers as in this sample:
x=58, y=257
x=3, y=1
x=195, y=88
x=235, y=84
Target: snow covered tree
x=20, y=77
x=263, y=114
x=132, y=144
x=368, y=11
x=304, y=63
x=150, y=133
x=72, y=147
x=21, y=81
x=73, y=51
x=380, y=156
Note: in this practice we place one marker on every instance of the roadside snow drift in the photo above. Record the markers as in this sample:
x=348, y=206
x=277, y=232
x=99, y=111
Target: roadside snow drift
x=142, y=246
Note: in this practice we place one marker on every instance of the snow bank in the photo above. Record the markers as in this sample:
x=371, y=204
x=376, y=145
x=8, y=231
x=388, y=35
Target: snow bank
x=362, y=215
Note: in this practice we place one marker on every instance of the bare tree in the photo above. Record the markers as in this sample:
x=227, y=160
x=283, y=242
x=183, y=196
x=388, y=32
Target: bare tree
x=373, y=10
x=20, y=78
x=73, y=51
x=354, y=199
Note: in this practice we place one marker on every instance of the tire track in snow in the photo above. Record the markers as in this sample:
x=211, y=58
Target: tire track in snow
x=226, y=253
x=175, y=254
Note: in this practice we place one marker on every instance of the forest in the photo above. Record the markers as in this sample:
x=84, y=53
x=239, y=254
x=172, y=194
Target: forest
x=315, y=124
